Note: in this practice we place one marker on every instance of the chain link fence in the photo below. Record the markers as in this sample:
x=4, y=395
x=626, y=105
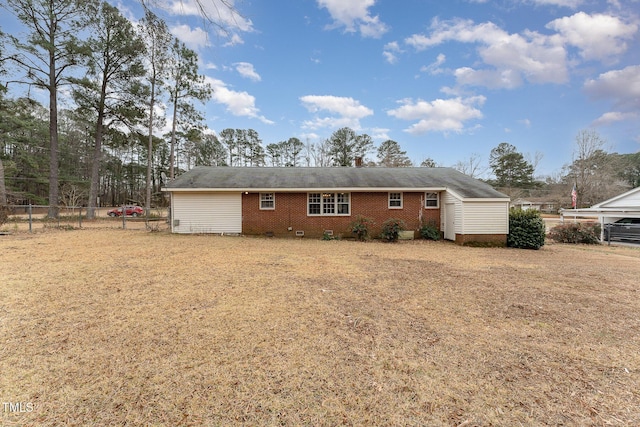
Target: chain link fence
x=34, y=218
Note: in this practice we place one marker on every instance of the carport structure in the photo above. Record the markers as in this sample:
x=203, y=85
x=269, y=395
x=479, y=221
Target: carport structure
x=625, y=205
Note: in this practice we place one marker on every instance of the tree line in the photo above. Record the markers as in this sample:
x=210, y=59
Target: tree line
x=125, y=80
x=117, y=74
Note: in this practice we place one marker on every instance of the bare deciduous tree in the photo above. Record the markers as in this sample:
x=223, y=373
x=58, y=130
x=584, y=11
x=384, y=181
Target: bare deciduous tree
x=472, y=166
x=590, y=169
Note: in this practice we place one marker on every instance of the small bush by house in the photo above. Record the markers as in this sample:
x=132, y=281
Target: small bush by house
x=576, y=232
x=526, y=229
x=360, y=227
x=430, y=231
x=391, y=229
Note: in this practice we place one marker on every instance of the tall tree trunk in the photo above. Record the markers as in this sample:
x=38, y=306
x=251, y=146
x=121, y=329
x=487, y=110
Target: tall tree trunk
x=95, y=168
x=150, y=146
x=3, y=189
x=172, y=155
x=53, y=133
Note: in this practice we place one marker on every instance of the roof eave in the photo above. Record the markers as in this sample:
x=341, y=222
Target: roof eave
x=301, y=190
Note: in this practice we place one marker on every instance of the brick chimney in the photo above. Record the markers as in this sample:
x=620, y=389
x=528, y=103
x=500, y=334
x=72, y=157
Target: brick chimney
x=358, y=162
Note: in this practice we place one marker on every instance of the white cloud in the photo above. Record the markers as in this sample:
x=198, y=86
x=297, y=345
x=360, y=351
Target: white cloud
x=457, y=30
x=434, y=67
x=525, y=122
x=354, y=16
x=216, y=10
x=225, y=19
x=246, y=70
x=390, y=51
x=234, y=40
x=193, y=38
x=597, y=36
x=380, y=134
x=507, y=79
x=622, y=86
x=343, y=111
x=614, y=116
x=513, y=58
x=443, y=115
x=237, y=103
x=565, y=3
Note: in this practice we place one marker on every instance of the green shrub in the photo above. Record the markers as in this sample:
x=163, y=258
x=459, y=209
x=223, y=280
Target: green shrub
x=360, y=227
x=326, y=236
x=430, y=231
x=526, y=229
x=576, y=232
x=391, y=228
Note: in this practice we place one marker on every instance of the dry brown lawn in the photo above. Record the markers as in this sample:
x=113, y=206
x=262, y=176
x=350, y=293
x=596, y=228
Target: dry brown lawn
x=114, y=327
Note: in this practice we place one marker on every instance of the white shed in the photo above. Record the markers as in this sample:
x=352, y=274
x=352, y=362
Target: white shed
x=465, y=219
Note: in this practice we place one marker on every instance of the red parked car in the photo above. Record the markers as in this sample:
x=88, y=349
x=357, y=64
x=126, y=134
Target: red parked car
x=131, y=211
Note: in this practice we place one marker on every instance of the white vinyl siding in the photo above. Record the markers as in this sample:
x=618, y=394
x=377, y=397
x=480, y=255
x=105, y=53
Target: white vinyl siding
x=476, y=217
x=206, y=212
x=447, y=200
x=486, y=218
x=630, y=200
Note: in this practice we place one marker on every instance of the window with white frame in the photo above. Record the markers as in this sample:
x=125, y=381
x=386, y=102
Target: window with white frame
x=328, y=204
x=342, y=200
x=431, y=200
x=267, y=201
x=395, y=200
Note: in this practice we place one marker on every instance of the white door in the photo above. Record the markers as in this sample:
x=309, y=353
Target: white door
x=450, y=221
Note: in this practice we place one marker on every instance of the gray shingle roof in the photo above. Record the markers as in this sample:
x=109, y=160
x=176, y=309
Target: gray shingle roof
x=304, y=179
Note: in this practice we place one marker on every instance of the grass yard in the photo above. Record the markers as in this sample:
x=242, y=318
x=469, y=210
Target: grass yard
x=114, y=327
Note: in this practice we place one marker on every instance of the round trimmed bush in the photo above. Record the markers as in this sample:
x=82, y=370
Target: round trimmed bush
x=526, y=229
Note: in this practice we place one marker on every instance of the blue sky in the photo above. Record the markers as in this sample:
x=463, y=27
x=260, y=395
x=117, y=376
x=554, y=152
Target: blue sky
x=445, y=79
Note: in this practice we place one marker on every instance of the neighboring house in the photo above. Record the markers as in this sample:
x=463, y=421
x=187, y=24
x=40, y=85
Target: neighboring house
x=313, y=201
x=525, y=205
x=625, y=205
x=541, y=205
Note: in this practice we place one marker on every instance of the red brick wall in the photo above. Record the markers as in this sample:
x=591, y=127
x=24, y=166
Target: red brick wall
x=482, y=239
x=291, y=211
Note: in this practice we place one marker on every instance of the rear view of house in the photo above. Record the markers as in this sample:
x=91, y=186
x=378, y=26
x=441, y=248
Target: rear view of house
x=314, y=201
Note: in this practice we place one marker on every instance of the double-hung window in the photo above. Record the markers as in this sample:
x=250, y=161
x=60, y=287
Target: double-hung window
x=329, y=204
x=431, y=200
x=267, y=201
x=395, y=200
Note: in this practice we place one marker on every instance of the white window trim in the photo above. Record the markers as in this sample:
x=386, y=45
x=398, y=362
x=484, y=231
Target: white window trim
x=267, y=208
x=335, y=193
x=437, y=200
x=389, y=200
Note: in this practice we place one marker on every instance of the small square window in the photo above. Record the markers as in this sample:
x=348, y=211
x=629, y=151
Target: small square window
x=267, y=201
x=431, y=200
x=395, y=200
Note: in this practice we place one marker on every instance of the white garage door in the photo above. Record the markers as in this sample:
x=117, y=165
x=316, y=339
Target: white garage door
x=207, y=212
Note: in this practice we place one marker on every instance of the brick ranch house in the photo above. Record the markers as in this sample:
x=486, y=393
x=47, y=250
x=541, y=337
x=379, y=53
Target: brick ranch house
x=312, y=201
